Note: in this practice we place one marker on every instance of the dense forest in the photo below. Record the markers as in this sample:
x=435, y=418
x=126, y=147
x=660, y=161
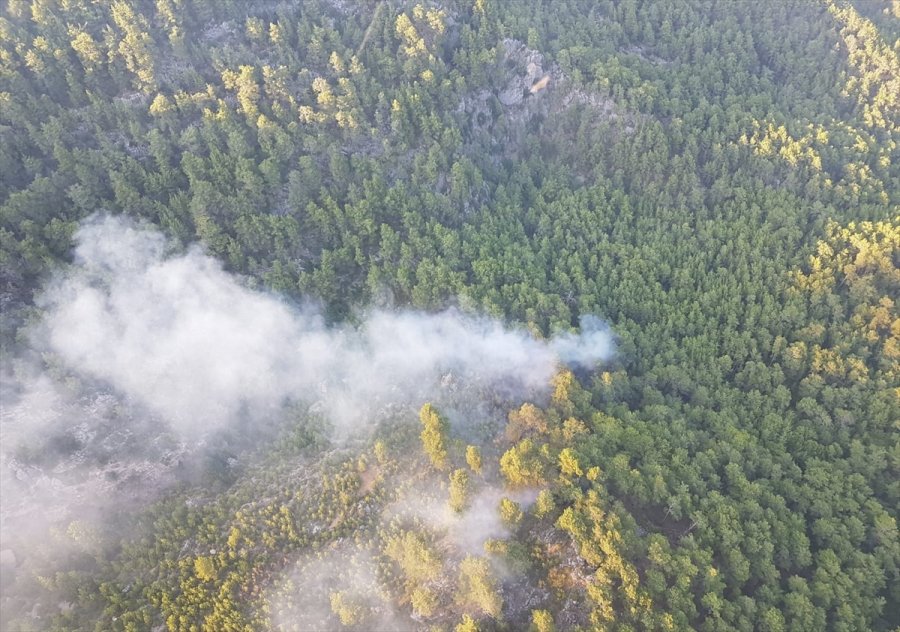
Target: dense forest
x=718, y=181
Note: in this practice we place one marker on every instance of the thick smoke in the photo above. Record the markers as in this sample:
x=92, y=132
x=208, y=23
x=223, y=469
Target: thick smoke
x=301, y=599
x=179, y=335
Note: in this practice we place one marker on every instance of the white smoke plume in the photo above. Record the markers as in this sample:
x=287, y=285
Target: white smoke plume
x=300, y=600
x=177, y=334
x=468, y=530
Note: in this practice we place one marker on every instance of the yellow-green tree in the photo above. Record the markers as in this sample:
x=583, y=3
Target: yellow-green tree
x=473, y=458
x=521, y=465
x=423, y=601
x=544, y=505
x=414, y=556
x=542, y=621
x=349, y=610
x=468, y=624
x=434, y=436
x=204, y=568
x=478, y=587
x=568, y=463
x=459, y=489
x=510, y=512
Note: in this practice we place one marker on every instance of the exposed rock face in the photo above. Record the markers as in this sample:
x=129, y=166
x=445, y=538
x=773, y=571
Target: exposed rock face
x=511, y=95
x=528, y=72
x=527, y=91
x=539, y=87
